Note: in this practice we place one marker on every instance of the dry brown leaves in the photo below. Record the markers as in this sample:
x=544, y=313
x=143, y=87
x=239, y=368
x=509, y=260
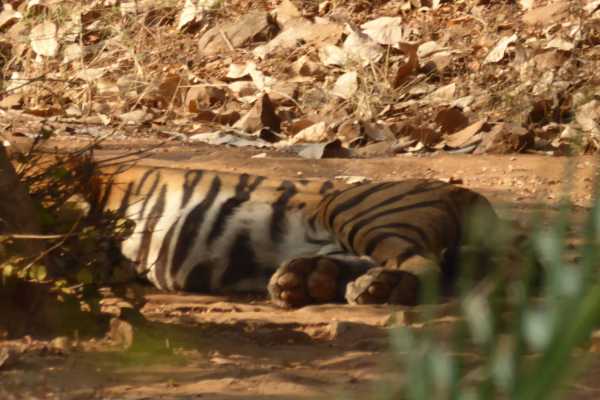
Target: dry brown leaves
x=328, y=81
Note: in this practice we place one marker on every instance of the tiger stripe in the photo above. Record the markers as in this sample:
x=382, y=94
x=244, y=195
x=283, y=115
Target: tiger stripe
x=211, y=231
x=277, y=225
x=192, y=223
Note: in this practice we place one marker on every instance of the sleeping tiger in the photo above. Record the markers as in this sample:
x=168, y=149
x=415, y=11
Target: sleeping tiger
x=305, y=241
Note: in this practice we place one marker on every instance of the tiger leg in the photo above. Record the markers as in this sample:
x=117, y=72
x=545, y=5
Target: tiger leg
x=316, y=279
x=400, y=284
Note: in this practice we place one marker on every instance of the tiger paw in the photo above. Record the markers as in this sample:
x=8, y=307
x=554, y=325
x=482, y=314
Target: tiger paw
x=303, y=281
x=381, y=285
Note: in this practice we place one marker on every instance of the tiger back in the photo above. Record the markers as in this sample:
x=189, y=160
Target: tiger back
x=392, y=221
x=312, y=241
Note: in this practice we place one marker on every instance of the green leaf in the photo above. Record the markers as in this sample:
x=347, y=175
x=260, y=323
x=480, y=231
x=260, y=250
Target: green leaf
x=38, y=272
x=8, y=270
x=85, y=276
x=60, y=173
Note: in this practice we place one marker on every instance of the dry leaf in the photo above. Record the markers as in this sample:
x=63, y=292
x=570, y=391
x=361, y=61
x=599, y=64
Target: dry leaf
x=417, y=148
x=129, y=85
x=209, y=4
x=286, y=11
x=404, y=71
x=505, y=138
x=90, y=74
x=549, y=60
x=445, y=94
x=191, y=13
x=107, y=89
x=72, y=52
x=467, y=136
x=314, y=133
x=223, y=118
x=36, y=7
x=60, y=345
x=403, y=144
x=228, y=36
x=8, y=356
x=497, y=52
x=12, y=101
x=352, y=179
x=238, y=71
x=45, y=111
x=227, y=138
x=244, y=89
x=315, y=151
x=43, y=39
x=333, y=55
x=560, y=44
x=385, y=30
x=420, y=88
x=299, y=124
x=262, y=115
x=428, y=48
x=587, y=116
x=346, y=85
x=440, y=61
x=121, y=333
x=169, y=91
x=547, y=14
x=359, y=47
x=8, y=16
x=283, y=94
x=590, y=8
x=350, y=133
x=299, y=32
x=377, y=149
x=6, y=50
x=203, y=96
x=427, y=136
x=544, y=83
x=135, y=117
x=570, y=133
x=463, y=102
x=376, y=131
x=304, y=66
x=261, y=81
x=526, y=4
x=451, y=120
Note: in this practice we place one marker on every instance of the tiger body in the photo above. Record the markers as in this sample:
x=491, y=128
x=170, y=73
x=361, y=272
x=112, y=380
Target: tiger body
x=207, y=231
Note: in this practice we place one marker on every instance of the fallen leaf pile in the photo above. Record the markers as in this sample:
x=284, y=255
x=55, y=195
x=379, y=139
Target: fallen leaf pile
x=322, y=79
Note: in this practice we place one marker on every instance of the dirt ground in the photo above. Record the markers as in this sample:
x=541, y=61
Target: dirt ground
x=227, y=348
x=462, y=76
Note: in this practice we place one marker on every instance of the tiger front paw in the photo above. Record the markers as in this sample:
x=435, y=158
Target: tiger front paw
x=303, y=281
x=381, y=285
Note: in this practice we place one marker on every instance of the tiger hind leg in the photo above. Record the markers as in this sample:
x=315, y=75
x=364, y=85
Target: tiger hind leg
x=317, y=279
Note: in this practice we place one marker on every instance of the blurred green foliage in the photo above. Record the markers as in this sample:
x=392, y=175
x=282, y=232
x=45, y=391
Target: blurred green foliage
x=515, y=337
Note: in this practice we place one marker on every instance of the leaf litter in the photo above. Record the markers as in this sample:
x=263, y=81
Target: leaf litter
x=321, y=81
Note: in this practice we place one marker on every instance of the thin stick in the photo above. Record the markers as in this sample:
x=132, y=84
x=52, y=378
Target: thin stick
x=25, y=236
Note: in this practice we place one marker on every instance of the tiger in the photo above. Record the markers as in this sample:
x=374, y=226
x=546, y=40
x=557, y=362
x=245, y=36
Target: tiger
x=303, y=241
